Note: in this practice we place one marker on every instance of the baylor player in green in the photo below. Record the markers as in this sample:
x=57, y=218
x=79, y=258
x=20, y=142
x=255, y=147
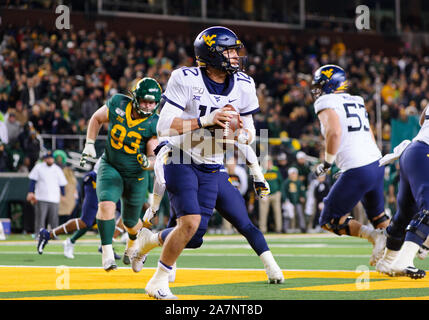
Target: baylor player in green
x=122, y=173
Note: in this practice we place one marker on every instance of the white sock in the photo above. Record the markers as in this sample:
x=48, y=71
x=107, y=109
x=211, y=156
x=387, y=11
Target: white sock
x=161, y=273
x=390, y=255
x=407, y=254
x=107, y=252
x=268, y=259
x=426, y=243
x=365, y=233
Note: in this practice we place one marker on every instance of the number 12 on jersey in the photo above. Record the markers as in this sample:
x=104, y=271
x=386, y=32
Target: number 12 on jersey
x=358, y=117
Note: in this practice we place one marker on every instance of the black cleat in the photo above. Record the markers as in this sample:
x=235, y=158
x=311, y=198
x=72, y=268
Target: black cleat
x=43, y=240
x=126, y=258
x=414, y=273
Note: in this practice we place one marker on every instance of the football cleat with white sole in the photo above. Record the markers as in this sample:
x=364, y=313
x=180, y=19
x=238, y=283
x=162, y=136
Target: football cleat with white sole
x=157, y=290
x=384, y=267
x=137, y=261
x=379, y=241
x=275, y=275
x=412, y=272
x=144, y=243
x=423, y=252
x=68, y=249
x=109, y=265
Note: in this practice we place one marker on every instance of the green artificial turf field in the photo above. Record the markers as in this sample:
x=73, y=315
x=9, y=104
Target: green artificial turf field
x=319, y=266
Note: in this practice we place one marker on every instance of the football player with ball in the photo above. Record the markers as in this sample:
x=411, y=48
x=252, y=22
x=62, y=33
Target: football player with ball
x=196, y=99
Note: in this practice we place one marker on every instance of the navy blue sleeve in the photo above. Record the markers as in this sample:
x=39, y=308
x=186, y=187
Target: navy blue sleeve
x=63, y=190
x=32, y=186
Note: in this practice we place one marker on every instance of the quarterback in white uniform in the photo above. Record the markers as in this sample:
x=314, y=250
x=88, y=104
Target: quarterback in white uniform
x=410, y=225
x=351, y=145
x=196, y=99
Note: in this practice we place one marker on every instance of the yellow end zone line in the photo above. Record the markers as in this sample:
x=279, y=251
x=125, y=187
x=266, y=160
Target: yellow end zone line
x=79, y=278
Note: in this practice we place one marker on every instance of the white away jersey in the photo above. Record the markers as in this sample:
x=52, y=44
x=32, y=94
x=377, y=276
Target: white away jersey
x=423, y=134
x=189, y=90
x=357, y=147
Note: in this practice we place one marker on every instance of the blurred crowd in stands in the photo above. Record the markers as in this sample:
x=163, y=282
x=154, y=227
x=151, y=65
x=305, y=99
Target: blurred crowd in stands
x=52, y=82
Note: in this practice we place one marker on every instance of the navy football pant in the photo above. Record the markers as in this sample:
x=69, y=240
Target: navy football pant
x=413, y=193
x=192, y=191
x=363, y=184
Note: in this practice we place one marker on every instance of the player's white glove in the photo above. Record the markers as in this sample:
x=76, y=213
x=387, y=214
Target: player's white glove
x=88, y=151
x=262, y=189
x=322, y=168
x=243, y=137
x=148, y=215
x=397, y=151
x=143, y=160
x=208, y=120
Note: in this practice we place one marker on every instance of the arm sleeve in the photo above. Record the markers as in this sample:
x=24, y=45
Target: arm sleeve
x=32, y=186
x=176, y=93
x=168, y=113
x=243, y=179
x=249, y=125
x=34, y=173
x=63, y=190
x=62, y=181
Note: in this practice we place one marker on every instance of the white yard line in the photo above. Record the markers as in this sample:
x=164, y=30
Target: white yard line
x=217, y=269
x=196, y=254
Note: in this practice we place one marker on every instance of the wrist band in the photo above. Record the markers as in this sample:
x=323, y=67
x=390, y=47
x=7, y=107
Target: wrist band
x=90, y=141
x=199, y=123
x=329, y=158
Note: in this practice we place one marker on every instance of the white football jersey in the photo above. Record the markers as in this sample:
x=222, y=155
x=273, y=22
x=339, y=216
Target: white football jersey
x=189, y=90
x=423, y=134
x=357, y=147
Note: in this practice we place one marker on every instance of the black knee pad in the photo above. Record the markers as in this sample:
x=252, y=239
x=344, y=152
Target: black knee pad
x=335, y=226
x=420, y=225
x=394, y=237
x=377, y=221
x=197, y=240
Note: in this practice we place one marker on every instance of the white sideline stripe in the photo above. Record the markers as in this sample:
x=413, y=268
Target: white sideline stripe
x=211, y=254
x=217, y=269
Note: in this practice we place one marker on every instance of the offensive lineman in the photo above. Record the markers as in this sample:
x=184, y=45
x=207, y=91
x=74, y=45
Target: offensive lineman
x=351, y=145
x=122, y=173
x=411, y=221
x=196, y=98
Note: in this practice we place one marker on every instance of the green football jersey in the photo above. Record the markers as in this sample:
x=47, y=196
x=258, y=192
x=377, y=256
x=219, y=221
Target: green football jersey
x=127, y=138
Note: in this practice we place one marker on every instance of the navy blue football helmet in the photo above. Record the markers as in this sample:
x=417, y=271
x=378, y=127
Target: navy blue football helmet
x=328, y=79
x=210, y=44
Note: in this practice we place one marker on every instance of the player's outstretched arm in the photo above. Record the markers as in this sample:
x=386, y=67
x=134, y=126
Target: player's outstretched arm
x=95, y=122
x=330, y=121
x=261, y=186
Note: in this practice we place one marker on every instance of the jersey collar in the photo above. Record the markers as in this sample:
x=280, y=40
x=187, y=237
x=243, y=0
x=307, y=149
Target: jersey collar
x=131, y=123
x=210, y=84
